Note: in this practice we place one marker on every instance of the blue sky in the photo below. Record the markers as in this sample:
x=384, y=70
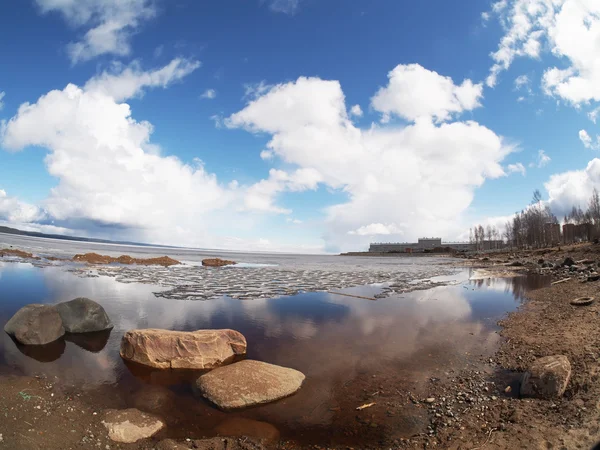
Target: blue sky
x=293, y=125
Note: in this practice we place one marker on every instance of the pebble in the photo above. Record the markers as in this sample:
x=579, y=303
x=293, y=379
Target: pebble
x=430, y=400
x=508, y=389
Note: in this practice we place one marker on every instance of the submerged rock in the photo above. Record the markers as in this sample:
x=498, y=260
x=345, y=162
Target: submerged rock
x=83, y=315
x=217, y=262
x=153, y=399
x=35, y=325
x=131, y=425
x=241, y=427
x=196, y=350
x=547, y=377
x=248, y=383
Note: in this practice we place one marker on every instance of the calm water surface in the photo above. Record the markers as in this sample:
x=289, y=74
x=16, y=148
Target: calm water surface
x=334, y=340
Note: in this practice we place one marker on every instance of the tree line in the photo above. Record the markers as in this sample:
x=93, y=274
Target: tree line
x=532, y=227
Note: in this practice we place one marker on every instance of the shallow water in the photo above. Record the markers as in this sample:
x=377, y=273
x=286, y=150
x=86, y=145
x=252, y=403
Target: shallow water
x=338, y=342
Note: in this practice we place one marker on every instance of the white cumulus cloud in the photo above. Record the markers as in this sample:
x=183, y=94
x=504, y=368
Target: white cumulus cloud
x=109, y=24
x=516, y=168
x=570, y=29
x=587, y=140
x=15, y=211
x=108, y=171
x=123, y=82
x=573, y=188
x=209, y=94
x=414, y=92
x=356, y=111
x=542, y=160
x=423, y=174
x=377, y=229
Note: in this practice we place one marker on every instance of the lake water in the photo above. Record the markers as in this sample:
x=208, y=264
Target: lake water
x=401, y=339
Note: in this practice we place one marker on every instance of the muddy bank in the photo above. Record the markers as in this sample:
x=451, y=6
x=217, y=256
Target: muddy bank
x=94, y=258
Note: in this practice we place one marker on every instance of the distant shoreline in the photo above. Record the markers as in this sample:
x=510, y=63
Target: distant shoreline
x=396, y=255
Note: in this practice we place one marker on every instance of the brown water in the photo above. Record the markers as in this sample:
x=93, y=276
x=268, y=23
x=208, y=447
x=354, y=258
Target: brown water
x=343, y=345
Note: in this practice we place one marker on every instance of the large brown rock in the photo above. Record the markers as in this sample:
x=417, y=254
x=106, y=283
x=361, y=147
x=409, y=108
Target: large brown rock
x=197, y=350
x=248, y=383
x=547, y=377
x=131, y=425
x=35, y=325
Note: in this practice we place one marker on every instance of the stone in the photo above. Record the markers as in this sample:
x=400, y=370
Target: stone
x=515, y=264
x=131, y=425
x=248, y=383
x=218, y=443
x=153, y=399
x=568, y=261
x=170, y=444
x=35, y=324
x=241, y=427
x=547, y=377
x=594, y=276
x=83, y=315
x=217, y=262
x=196, y=350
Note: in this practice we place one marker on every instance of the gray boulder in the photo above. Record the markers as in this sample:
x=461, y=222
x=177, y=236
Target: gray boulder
x=83, y=315
x=547, y=377
x=35, y=325
x=248, y=383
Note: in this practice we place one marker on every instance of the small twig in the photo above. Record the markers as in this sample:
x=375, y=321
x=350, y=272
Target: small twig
x=560, y=281
x=486, y=441
x=366, y=405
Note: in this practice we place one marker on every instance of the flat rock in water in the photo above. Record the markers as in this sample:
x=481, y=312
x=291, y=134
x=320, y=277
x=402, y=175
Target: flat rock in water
x=83, y=315
x=131, y=425
x=196, y=350
x=217, y=262
x=240, y=427
x=547, y=377
x=248, y=383
x=35, y=325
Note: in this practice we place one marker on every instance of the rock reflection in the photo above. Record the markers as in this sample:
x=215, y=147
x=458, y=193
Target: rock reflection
x=162, y=377
x=92, y=342
x=42, y=353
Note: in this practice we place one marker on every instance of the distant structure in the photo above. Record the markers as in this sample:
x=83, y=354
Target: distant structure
x=552, y=231
x=568, y=233
x=421, y=246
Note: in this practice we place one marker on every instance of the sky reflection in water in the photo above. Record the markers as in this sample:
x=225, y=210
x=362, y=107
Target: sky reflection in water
x=331, y=338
